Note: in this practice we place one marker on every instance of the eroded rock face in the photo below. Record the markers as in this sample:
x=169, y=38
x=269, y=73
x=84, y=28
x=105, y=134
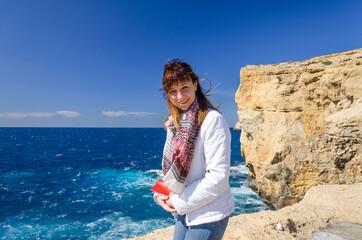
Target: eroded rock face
x=301, y=125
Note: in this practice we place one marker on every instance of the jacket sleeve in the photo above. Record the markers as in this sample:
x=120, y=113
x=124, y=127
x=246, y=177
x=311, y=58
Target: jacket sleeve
x=199, y=193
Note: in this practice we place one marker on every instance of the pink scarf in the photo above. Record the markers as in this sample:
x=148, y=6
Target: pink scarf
x=179, y=148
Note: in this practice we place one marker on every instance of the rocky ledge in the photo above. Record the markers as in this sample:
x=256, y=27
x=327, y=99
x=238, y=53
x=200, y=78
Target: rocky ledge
x=301, y=125
x=326, y=212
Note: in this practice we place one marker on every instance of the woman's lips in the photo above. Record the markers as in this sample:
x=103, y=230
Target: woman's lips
x=184, y=102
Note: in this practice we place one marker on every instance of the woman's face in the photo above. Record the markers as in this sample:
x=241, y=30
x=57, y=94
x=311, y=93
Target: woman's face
x=182, y=94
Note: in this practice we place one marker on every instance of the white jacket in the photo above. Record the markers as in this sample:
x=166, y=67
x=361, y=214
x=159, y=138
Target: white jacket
x=207, y=196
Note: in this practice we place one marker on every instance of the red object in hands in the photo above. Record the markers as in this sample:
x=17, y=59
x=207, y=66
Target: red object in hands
x=160, y=187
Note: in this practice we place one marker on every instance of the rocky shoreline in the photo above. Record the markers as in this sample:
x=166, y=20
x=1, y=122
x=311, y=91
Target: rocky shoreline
x=322, y=211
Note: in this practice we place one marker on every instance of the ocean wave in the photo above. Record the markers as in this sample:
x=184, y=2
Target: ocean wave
x=242, y=191
x=121, y=180
x=41, y=230
x=157, y=173
x=119, y=226
x=240, y=169
x=15, y=175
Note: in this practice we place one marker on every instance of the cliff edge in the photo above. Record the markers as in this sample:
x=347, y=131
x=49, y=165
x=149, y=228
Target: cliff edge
x=301, y=125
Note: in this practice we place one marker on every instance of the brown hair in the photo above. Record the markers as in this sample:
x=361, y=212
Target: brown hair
x=177, y=71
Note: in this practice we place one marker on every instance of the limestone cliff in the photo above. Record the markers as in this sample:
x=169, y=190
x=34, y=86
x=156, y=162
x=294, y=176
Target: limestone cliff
x=301, y=125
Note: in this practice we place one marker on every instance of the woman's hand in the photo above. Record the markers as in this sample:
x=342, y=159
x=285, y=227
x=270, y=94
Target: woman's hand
x=169, y=201
x=162, y=201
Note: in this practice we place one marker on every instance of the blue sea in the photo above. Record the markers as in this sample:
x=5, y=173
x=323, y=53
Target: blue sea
x=91, y=183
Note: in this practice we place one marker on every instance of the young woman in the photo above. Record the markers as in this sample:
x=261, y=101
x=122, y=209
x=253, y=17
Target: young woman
x=196, y=158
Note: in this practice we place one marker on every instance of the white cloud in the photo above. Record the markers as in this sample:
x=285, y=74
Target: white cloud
x=68, y=113
x=114, y=114
x=40, y=114
x=16, y=115
x=123, y=113
x=27, y=114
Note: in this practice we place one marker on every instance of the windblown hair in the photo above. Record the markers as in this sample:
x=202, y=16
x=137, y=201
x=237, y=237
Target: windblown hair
x=177, y=71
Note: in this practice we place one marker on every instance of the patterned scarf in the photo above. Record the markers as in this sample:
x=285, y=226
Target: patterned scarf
x=179, y=148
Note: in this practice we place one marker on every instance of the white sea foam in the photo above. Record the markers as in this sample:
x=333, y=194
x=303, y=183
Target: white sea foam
x=107, y=211
x=53, y=205
x=124, y=181
x=39, y=230
x=240, y=169
x=20, y=216
x=156, y=172
x=16, y=174
x=253, y=201
x=117, y=195
x=242, y=191
x=79, y=200
x=91, y=225
x=61, y=191
x=120, y=226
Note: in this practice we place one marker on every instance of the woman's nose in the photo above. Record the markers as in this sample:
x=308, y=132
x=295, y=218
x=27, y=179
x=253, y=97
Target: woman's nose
x=180, y=95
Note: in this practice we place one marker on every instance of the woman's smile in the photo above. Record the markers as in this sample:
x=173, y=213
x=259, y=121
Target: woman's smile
x=183, y=102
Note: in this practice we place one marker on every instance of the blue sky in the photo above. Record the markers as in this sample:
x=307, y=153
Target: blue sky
x=99, y=63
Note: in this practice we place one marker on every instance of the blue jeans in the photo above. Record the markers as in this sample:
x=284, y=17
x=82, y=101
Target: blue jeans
x=207, y=231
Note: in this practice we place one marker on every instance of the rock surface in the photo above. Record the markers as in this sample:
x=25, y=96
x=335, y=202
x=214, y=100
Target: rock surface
x=301, y=125
x=338, y=231
x=318, y=216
